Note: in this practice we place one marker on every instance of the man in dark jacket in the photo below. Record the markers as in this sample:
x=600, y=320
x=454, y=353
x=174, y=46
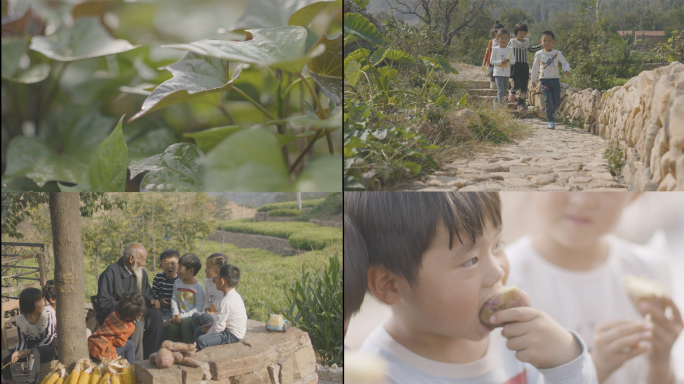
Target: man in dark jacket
x=128, y=275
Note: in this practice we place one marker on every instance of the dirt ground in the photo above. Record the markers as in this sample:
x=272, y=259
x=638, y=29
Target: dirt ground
x=467, y=72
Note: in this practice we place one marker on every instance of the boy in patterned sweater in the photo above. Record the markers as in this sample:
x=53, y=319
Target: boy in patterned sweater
x=545, y=68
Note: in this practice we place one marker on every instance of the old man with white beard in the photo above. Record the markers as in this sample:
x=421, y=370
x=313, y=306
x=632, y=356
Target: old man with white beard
x=129, y=275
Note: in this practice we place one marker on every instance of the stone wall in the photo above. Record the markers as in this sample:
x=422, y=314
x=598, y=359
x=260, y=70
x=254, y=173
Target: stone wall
x=246, y=240
x=261, y=357
x=646, y=117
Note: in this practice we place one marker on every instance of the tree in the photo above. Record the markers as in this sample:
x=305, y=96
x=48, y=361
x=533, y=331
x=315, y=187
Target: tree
x=537, y=14
x=448, y=18
x=512, y=16
x=69, y=276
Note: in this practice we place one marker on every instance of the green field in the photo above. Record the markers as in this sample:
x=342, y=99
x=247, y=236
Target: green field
x=265, y=275
x=299, y=234
x=289, y=205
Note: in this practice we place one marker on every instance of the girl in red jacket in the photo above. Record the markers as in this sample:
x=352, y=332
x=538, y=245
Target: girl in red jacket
x=111, y=339
x=488, y=53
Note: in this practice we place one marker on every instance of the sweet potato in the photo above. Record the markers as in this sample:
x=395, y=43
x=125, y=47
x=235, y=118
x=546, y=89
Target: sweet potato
x=164, y=358
x=153, y=358
x=192, y=355
x=177, y=357
x=509, y=297
x=191, y=362
x=175, y=347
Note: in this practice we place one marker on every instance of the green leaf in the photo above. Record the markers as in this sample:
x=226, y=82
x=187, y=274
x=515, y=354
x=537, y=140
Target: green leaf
x=270, y=13
x=413, y=167
x=464, y=99
x=81, y=133
x=249, y=160
x=444, y=63
x=428, y=61
x=326, y=69
x=193, y=76
x=378, y=56
x=177, y=169
x=310, y=119
x=276, y=48
x=323, y=174
x=12, y=51
x=206, y=140
x=357, y=56
x=34, y=159
x=303, y=16
x=399, y=56
x=353, y=73
x=86, y=39
x=359, y=26
x=107, y=172
x=150, y=143
x=441, y=100
x=361, y=3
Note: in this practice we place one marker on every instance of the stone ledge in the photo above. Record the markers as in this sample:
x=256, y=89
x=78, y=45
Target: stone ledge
x=260, y=358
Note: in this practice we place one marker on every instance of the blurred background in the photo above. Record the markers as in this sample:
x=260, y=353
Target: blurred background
x=650, y=212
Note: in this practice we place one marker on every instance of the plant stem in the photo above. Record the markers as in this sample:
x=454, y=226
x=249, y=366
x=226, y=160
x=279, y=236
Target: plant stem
x=259, y=106
x=330, y=144
x=44, y=106
x=281, y=127
x=225, y=112
x=301, y=155
x=313, y=94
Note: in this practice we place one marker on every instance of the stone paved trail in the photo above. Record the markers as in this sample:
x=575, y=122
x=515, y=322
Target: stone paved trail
x=564, y=159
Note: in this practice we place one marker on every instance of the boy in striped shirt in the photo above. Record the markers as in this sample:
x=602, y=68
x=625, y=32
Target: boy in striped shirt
x=162, y=285
x=521, y=69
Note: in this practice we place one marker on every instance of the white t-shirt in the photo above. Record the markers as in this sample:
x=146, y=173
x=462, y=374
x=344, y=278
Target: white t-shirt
x=581, y=300
x=498, y=366
x=546, y=65
x=498, y=55
x=232, y=315
x=211, y=294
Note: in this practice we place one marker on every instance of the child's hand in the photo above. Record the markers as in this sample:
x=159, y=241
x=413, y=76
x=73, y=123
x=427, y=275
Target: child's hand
x=15, y=357
x=505, y=61
x=567, y=73
x=177, y=319
x=164, y=303
x=665, y=331
x=155, y=304
x=617, y=341
x=537, y=338
x=533, y=85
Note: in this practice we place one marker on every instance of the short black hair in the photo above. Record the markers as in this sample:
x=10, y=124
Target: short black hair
x=168, y=254
x=49, y=291
x=355, y=268
x=398, y=227
x=503, y=31
x=218, y=259
x=130, y=306
x=549, y=33
x=231, y=274
x=519, y=27
x=28, y=298
x=190, y=260
x=497, y=25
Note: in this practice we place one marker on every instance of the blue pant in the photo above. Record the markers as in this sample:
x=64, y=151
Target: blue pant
x=200, y=319
x=491, y=73
x=501, y=85
x=552, y=90
x=204, y=341
x=127, y=351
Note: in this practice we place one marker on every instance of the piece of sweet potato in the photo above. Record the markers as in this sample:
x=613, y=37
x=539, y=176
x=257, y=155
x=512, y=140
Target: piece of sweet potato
x=190, y=362
x=164, y=358
x=153, y=358
x=510, y=297
x=177, y=357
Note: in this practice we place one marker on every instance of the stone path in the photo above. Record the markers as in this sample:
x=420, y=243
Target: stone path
x=564, y=159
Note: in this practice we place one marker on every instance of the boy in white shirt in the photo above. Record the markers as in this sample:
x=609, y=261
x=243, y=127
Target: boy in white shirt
x=436, y=258
x=545, y=68
x=502, y=59
x=231, y=325
x=572, y=270
x=212, y=295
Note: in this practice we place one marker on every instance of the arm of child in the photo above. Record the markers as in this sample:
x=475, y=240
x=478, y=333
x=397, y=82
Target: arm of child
x=493, y=60
x=207, y=304
x=50, y=329
x=534, y=49
x=665, y=333
x=564, y=63
x=223, y=314
x=535, y=68
x=511, y=57
x=174, y=300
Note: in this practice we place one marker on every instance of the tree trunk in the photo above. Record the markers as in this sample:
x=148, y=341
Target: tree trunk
x=201, y=246
x=69, y=277
x=97, y=259
x=154, y=237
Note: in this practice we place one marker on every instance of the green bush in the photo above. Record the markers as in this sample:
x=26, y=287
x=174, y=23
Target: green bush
x=306, y=235
x=332, y=205
x=286, y=212
x=314, y=304
x=288, y=205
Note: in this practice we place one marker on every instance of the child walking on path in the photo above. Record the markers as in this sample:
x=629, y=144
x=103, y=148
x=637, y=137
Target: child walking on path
x=488, y=53
x=520, y=70
x=545, y=68
x=502, y=59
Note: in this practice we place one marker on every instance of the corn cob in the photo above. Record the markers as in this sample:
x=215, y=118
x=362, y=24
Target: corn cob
x=105, y=378
x=73, y=378
x=96, y=375
x=115, y=379
x=51, y=378
x=84, y=377
x=128, y=377
x=59, y=381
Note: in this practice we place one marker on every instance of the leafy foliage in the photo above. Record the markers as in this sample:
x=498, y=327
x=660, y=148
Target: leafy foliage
x=314, y=304
x=277, y=75
x=289, y=205
x=614, y=157
x=299, y=235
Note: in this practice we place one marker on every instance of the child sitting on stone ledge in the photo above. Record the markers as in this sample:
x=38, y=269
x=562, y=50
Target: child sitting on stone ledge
x=231, y=325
